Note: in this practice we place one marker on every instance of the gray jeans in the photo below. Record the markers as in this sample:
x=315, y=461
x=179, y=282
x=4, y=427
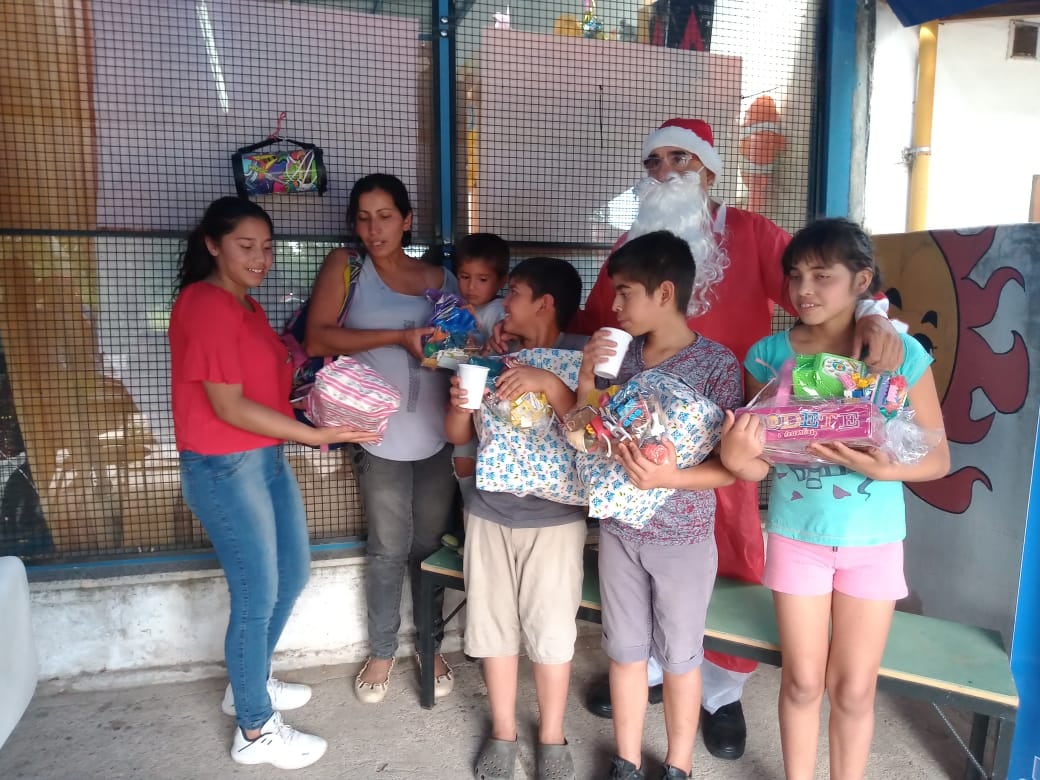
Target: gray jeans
x=408, y=505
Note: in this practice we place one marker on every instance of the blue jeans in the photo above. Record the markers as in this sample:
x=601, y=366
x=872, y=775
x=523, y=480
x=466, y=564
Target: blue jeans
x=408, y=506
x=250, y=505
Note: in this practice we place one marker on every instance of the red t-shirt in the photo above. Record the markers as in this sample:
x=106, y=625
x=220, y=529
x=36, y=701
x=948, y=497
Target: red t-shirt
x=213, y=338
x=741, y=310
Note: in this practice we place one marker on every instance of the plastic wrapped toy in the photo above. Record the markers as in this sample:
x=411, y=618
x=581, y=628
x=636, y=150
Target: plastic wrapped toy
x=828, y=398
x=629, y=413
x=456, y=335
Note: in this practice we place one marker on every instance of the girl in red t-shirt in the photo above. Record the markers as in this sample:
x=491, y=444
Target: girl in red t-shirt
x=231, y=380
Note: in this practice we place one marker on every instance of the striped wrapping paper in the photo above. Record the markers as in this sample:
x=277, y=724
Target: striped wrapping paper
x=350, y=393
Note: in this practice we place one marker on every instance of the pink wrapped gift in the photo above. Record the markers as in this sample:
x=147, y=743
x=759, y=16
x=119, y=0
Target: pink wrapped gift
x=347, y=392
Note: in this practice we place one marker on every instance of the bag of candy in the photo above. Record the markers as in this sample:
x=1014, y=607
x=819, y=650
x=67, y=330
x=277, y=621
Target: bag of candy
x=691, y=421
x=456, y=335
x=829, y=398
x=521, y=450
x=628, y=413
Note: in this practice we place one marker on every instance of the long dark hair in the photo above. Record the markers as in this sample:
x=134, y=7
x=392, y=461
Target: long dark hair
x=830, y=241
x=387, y=183
x=221, y=217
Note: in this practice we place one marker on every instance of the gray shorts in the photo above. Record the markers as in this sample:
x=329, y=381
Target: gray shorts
x=655, y=600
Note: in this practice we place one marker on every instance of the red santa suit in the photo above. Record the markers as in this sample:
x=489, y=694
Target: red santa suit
x=741, y=313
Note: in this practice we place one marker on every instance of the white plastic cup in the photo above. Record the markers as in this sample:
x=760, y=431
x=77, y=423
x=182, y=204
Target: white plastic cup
x=472, y=379
x=608, y=368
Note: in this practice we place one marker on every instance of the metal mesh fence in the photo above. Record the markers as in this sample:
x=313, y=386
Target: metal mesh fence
x=122, y=117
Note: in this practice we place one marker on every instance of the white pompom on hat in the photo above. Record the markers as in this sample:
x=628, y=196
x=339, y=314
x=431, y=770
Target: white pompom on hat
x=693, y=135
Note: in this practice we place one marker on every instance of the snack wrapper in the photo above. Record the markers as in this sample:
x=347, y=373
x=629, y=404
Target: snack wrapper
x=692, y=423
x=347, y=392
x=456, y=334
x=527, y=459
x=829, y=398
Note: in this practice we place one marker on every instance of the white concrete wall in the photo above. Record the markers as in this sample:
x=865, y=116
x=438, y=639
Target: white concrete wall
x=985, y=127
x=890, y=116
x=120, y=631
x=986, y=136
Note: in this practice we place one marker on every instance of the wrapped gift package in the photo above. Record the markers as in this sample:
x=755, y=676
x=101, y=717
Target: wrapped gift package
x=693, y=424
x=532, y=460
x=347, y=392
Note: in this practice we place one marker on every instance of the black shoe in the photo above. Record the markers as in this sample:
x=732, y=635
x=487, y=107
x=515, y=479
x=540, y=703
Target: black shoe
x=624, y=770
x=725, y=732
x=669, y=772
x=656, y=694
x=598, y=700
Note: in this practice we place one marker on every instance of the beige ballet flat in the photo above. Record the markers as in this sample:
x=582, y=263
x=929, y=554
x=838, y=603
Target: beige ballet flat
x=372, y=693
x=442, y=684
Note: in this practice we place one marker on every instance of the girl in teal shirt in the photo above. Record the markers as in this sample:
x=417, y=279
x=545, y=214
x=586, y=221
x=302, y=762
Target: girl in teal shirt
x=835, y=550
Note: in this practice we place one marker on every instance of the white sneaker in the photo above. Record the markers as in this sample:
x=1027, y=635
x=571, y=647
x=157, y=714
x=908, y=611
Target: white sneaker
x=279, y=745
x=284, y=696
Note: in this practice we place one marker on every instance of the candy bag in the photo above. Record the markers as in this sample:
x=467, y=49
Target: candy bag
x=692, y=423
x=629, y=413
x=826, y=376
x=456, y=335
x=828, y=398
x=533, y=460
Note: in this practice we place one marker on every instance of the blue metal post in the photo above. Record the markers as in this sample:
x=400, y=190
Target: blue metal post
x=839, y=80
x=444, y=112
x=1025, y=647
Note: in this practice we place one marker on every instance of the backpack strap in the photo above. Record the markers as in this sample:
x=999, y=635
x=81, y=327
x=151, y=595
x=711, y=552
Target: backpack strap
x=355, y=262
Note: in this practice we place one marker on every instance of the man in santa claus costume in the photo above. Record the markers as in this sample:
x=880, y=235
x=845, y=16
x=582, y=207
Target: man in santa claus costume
x=739, y=278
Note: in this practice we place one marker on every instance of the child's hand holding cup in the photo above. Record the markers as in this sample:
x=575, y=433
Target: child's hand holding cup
x=472, y=380
x=608, y=367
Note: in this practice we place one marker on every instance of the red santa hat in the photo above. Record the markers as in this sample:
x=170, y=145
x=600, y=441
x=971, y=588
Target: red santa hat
x=693, y=135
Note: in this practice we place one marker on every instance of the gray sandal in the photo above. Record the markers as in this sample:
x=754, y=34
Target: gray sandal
x=497, y=760
x=555, y=762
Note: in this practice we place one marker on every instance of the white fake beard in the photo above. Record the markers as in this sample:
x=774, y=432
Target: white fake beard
x=680, y=205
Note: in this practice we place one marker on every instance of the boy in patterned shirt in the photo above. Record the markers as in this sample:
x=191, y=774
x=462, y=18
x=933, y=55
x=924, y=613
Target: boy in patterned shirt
x=656, y=581
x=523, y=562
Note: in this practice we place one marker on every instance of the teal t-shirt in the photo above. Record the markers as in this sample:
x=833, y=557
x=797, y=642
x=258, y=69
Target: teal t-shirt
x=828, y=504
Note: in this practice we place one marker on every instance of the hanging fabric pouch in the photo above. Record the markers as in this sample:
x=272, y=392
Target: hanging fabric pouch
x=284, y=172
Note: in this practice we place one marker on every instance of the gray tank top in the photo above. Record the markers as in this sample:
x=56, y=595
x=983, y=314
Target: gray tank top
x=416, y=431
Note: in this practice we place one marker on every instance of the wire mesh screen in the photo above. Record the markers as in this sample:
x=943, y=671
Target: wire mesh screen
x=555, y=100
x=122, y=117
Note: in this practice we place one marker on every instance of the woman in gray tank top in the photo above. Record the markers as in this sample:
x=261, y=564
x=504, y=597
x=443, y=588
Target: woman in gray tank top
x=406, y=481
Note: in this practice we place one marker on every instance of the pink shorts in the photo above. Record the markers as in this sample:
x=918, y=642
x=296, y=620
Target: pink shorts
x=804, y=569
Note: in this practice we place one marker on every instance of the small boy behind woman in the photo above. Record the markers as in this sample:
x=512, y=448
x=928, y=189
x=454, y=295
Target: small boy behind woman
x=523, y=562
x=655, y=582
x=481, y=266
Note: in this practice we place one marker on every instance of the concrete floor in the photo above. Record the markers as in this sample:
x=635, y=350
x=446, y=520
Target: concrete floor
x=174, y=732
